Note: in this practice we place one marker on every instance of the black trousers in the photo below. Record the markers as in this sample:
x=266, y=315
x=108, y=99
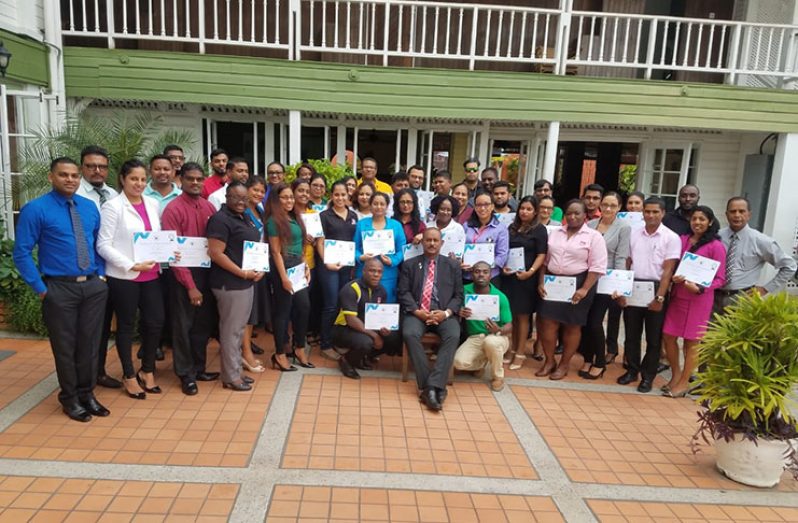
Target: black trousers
x=593, y=332
x=361, y=345
x=293, y=309
x=191, y=329
x=105, y=335
x=613, y=326
x=635, y=319
x=71, y=311
x=167, y=282
x=128, y=297
x=449, y=331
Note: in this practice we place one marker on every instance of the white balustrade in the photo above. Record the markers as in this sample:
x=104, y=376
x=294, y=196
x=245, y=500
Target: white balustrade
x=442, y=34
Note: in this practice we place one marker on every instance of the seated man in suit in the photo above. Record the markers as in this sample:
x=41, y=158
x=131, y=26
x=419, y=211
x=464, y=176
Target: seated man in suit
x=430, y=291
x=349, y=330
x=488, y=340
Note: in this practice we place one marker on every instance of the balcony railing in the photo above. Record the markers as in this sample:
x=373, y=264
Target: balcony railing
x=450, y=35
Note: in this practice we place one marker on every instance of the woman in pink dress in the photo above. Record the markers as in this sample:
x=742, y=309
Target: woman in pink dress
x=690, y=304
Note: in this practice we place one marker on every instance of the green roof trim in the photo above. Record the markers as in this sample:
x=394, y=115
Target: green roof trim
x=28, y=59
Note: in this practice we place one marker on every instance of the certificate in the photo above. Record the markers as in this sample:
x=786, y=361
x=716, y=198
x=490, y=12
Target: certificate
x=339, y=252
x=482, y=306
x=505, y=218
x=616, y=281
x=475, y=252
x=559, y=288
x=378, y=242
x=193, y=252
x=297, y=276
x=551, y=228
x=158, y=246
x=382, y=316
x=633, y=219
x=424, y=201
x=453, y=243
x=256, y=257
x=697, y=269
x=515, y=260
x=642, y=294
x=411, y=250
x=312, y=222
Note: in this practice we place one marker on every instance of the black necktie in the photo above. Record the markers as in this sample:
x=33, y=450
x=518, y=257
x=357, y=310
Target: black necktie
x=103, y=195
x=730, y=258
x=80, y=237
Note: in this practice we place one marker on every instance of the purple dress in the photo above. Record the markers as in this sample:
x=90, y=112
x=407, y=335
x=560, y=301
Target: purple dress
x=688, y=314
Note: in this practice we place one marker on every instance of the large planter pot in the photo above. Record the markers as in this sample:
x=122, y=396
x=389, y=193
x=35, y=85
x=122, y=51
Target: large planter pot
x=757, y=464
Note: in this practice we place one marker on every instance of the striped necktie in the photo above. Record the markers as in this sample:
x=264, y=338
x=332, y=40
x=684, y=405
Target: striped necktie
x=429, y=283
x=80, y=237
x=103, y=195
x=730, y=258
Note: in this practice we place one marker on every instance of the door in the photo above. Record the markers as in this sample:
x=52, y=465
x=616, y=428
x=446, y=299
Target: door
x=667, y=167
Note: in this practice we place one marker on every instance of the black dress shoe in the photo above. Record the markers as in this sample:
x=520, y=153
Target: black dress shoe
x=77, y=412
x=94, y=407
x=627, y=378
x=143, y=384
x=237, y=386
x=207, y=376
x=104, y=380
x=441, y=395
x=247, y=380
x=662, y=367
x=347, y=370
x=255, y=348
x=430, y=398
x=645, y=385
x=189, y=387
x=364, y=365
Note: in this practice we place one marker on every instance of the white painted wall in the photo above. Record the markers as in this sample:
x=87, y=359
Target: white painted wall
x=23, y=17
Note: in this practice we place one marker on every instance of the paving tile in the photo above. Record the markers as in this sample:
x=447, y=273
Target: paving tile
x=354, y=425
x=31, y=362
x=634, y=511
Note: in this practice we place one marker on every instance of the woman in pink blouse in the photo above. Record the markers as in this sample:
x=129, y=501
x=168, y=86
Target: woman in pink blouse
x=574, y=250
x=690, y=304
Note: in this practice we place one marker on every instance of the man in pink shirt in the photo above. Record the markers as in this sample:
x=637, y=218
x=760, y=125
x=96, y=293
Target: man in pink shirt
x=655, y=251
x=193, y=308
x=218, y=176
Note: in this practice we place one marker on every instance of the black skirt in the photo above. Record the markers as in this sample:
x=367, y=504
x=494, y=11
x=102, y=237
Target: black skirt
x=566, y=312
x=523, y=295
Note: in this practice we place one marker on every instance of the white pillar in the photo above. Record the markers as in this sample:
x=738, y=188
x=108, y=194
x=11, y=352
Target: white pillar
x=484, y=142
x=340, y=146
x=412, y=146
x=550, y=158
x=294, y=137
x=782, y=213
x=55, y=64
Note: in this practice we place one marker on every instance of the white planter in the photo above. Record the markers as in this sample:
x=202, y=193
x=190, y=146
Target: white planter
x=757, y=464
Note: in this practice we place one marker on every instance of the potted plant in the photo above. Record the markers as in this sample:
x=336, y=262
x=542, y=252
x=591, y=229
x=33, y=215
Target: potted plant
x=749, y=362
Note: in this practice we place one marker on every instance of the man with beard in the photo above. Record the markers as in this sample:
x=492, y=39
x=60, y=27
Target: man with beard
x=218, y=173
x=162, y=186
x=678, y=220
x=237, y=171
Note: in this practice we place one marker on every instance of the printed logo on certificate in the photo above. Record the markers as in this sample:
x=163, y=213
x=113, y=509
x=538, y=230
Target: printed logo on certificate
x=193, y=252
x=453, y=243
x=256, y=257
x=697, y=269
x=412, y=250
x=642, y=294
x=339, y=252
x=616, y=281
x=475, y=252
x=312, y=221
x=505, y=218
x=515, y=260
x=297, y=277
x=378, y=242
x=482, y=306
x=632, y=219
x=382, y=316
x=559, y=288
x=157, y=246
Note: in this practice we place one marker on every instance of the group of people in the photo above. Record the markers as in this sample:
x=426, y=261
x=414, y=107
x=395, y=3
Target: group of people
x=87, y=273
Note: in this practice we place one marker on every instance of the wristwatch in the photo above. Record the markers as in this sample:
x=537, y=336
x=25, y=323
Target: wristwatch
x=660, y=299
x=448, y=313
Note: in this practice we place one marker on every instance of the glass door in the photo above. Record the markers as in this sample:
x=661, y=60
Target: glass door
x=667, y=168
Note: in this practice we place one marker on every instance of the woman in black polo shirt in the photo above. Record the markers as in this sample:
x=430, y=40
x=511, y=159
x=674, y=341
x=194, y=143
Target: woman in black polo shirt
x=232, y=286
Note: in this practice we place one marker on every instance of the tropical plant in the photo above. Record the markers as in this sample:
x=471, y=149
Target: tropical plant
x=749, y=362
x=23, y=306
x=125, y=135
x=627, y=178
x=331, y=172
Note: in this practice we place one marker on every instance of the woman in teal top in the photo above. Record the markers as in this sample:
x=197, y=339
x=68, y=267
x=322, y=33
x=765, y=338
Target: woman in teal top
x=286, y=233
x=378, y=222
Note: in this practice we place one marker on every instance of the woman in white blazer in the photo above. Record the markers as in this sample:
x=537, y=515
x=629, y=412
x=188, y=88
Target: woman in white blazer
x=133, y=286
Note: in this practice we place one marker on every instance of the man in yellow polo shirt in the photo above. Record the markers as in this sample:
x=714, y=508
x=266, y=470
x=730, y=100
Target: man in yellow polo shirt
x=369, y=174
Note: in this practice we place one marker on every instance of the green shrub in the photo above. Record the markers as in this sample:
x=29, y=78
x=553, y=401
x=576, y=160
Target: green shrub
x=23, y=306
x=332, y=173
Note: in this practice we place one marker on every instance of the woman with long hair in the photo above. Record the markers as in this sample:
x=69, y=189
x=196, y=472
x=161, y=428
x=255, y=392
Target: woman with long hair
x=578, y=252
x=616, y=237
x=634, y=202
x=484, y=227
x=545, y=210
x=318, y=192
x=256, y=189
x=405, y=210
x=338, y=223
x=361, y=202
x=690, y=305
x=302, y=191
x=305, y=172
x=460, y=193
x=287, y=238
x=378, y=221
x=528, y=234
x=351, y=189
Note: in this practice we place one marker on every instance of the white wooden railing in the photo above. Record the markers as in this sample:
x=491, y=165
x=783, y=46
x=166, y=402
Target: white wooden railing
x=457, y=35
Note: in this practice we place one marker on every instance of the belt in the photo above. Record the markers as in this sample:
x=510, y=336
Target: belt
x=71, y=279
x=733, y=292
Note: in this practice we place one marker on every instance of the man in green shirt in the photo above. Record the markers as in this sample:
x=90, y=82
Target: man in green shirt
x=488, y=339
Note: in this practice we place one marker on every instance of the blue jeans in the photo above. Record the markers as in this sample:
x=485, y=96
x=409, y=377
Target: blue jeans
x=331, y=284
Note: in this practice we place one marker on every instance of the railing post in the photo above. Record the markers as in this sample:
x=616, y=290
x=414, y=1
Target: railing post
x=653, y=26
x=109, y=22
x=295, y=30
x=562, y=38
x=474, y=19
x=734, y=56
x=201, y=28
x=385, y=34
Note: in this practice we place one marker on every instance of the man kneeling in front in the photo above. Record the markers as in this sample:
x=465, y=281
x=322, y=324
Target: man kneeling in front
x=488, y=339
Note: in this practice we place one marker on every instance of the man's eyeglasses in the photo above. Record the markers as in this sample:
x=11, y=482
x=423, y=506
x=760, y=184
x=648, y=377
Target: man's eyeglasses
x=96, y=166
x=472, y=169
x=275, y=172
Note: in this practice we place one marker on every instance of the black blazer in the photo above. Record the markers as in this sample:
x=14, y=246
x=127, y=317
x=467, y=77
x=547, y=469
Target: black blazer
x=448, y=280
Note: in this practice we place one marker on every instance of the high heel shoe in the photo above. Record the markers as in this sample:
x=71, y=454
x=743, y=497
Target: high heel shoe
x=543, y=372
x=134, y=395
x=671, y=394
x=299, y=362
x=600, y=375
x=611, y=357
x=257, y=368
x=520, y=358
x=276, y=365
x=155, y=390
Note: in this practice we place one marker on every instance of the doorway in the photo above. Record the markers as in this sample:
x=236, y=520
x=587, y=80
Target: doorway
x=613, y=165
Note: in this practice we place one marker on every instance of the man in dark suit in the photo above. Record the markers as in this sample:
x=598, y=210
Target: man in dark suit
x=430, y=292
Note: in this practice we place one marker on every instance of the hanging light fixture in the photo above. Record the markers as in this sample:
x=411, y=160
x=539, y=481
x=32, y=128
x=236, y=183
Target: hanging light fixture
x=5, y=57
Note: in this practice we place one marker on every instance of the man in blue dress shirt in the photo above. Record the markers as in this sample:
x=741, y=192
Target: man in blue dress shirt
x=70, y=281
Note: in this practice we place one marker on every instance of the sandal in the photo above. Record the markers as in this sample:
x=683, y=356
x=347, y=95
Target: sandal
x=516, y=366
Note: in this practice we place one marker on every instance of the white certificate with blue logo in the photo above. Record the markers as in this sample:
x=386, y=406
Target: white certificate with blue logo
x=616, y=281
x=632, y=219
x=378, y=242
x=193, y=252
x=642, y=294
x=412, y=250
x=516, y=260
x=297, y=276
x=382, y=316
x=475, y=252
x=339, y=252
x=157, y=246
x=453, y=243
x=312, y=221
x=482, y=306
x=256, y=257
x=559, y=288
x=506, y=218
x=697, y=269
